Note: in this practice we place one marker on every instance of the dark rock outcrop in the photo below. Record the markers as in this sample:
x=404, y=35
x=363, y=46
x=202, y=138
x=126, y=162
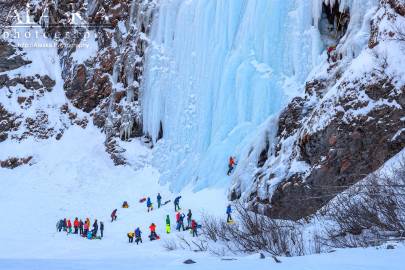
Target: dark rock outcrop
x=10, y=58
x=14, y=162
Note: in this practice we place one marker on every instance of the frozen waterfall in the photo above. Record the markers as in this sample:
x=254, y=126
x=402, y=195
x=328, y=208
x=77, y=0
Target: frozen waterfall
x=216, y=72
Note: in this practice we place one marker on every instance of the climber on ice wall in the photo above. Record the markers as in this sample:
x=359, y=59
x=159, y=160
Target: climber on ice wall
x=231, y=165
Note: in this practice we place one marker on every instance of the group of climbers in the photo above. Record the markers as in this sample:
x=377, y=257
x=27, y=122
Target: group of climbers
x=84, y=228
x=81, y=228
x=191, y=223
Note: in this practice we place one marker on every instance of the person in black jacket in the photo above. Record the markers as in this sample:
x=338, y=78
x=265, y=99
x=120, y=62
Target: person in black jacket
x=101, y=228
x=64, y=225
x=95, y=228
x=81, y=227
x=60, y=225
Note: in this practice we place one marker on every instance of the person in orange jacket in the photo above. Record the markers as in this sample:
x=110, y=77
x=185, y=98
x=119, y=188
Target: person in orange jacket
x=76, y=225
x=69, y=226
x=231, y=165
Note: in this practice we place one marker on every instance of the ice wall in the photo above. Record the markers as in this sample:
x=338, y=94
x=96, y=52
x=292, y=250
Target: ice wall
x=216, y=72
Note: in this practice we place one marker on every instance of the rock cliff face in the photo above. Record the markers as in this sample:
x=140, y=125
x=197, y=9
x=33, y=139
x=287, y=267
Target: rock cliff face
x=350, y=121
x=101, y=79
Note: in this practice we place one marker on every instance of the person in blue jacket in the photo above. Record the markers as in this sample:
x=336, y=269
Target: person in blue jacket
x=176, y=203
x=159, y=200
x=149, y=204
x=138, y=236
x=228, y=212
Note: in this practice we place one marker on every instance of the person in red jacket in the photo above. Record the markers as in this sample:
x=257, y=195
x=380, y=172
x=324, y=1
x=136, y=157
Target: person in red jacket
x=114, y=215
x=332, y=53
x=153, y=235
x=76, y=225
x=69, y=226
x=194, y=228
x=231, y=165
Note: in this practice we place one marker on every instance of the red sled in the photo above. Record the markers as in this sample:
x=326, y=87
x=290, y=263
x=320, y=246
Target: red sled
x=142, y=200
x=157, y=237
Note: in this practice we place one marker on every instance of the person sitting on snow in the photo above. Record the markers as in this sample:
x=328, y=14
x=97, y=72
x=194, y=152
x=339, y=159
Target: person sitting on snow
x=125, y=204
x=153, y=235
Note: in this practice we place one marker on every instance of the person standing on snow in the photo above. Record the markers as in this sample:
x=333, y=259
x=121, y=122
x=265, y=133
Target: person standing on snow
x=159, y=200
x=231, y=165
x=76, y=225
x=81, y=227
x=64, y=225
x=102, y=229
x=189, y=215
x=95, y=228
x=149, y=204
x=114, y=215
x=60, y=225
x=69, y=226
x=178, y=221
x=177, y=204
x=138, y=236
x=86, y=229
x=167, y=224
x=228, y=212
x=181, y=222
x=194, y=228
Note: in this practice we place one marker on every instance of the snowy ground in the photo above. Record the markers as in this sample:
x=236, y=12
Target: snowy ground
x=75, y=177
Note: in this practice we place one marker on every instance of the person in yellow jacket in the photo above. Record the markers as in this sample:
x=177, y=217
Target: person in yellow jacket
x=131, y=237
x=167, y=224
